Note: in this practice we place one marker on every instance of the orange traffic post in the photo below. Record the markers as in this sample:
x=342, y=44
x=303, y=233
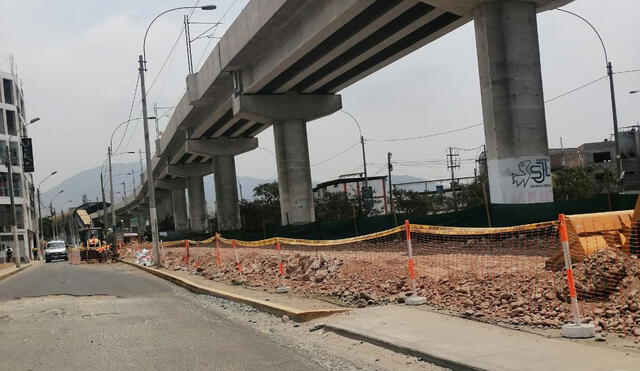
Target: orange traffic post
x=281, y=289
x=235, y=250
x=414, y=299
x=218, y=257
x=575, y=330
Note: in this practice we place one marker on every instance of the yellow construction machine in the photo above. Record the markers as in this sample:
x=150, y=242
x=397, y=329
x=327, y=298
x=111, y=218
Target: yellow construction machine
x=590, y=233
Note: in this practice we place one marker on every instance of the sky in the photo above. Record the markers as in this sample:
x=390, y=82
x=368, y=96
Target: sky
x=78, y=63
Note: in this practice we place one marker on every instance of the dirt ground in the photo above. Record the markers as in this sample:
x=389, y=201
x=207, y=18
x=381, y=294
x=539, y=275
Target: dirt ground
x=494, y=284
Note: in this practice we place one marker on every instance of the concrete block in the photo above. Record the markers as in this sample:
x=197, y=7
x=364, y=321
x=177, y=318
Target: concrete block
x=582, y=331
x=415, y=300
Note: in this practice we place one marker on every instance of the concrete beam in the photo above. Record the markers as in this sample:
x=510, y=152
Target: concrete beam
x=186, y=170
x=464, y=7
x=290, y=106
x=171, y=184
x=220, y=146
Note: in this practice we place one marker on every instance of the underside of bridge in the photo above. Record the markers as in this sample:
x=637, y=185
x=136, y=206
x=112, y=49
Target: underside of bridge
x=282, y=63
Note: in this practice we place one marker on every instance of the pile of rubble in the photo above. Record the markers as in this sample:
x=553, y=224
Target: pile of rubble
x=608, y=284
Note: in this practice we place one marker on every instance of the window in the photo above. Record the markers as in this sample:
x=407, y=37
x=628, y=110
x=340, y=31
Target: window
x=8, y=91
x=601, y=157
x=2, y=129
x=4, y=185
x=17, y=185
x=3, y=152
x=11, y=122
x=14, y=149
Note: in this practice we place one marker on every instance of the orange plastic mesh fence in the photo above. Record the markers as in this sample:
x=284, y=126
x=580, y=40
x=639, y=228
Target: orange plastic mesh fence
x=514, y=275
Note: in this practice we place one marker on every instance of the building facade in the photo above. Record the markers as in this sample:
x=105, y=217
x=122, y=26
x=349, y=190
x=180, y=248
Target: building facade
x=603, y=154
x=12, y=128
x=353, y=188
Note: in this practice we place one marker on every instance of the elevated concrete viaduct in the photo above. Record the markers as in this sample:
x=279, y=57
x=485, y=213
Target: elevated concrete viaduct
x=282, y=63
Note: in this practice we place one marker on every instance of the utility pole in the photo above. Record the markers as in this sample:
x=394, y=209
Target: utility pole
x=141, y=167
x=113, y=206
x=14, y=217
x=133, y=177
x=616, y=136
x=151, y=192
x=452, y=165
x=390, y=169
x=40, y=231
x=187, y=35
x=155, y=116
x=104, y=206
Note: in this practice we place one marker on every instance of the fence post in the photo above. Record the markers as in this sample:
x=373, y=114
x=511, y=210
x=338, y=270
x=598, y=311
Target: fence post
x=197, y=263
x=218, y=257
x=235, y=250
x=414, y=299
x=575, y=330
x=281, y=289
x=185, y=256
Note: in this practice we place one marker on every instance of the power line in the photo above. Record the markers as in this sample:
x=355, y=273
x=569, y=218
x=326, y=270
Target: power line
x=425, y=136
x=336, y=155
x=576, y=89
x=133, y=102
x=173, y=48
x=209, y=41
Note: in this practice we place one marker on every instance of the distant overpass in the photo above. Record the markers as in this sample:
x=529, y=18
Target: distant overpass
x=282, y=63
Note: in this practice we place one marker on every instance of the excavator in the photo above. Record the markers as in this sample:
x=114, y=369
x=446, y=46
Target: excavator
x=93, y=246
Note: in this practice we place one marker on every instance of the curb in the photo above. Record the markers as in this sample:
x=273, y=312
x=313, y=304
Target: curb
x=297, y=315
x=427, y=357
x=7, y=275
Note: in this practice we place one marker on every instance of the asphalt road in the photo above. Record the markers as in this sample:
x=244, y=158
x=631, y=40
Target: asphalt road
x=58, y=316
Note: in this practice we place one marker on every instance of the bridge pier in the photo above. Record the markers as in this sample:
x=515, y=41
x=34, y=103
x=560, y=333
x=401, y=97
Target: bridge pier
x=289, y=114
x=176, y=187
x=512, y=102
x=179, y=202
x=294, y=172
x=222, y=152
x=197, y=204
x=226, y=187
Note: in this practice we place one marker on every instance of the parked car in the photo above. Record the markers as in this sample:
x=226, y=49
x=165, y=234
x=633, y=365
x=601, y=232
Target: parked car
x=55, y=250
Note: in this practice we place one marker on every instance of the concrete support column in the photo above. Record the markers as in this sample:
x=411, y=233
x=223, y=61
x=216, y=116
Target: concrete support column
x=197, y=204
x=512, y=102
x=179, y=203
x=294, y=172
x=226, y=187
x=142, y=224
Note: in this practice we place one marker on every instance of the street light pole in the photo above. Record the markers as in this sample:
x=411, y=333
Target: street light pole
x=153, y=217
x=40, y=229
x=142, y=60
x=113, y=206
x=614, y=110
x=14, y=217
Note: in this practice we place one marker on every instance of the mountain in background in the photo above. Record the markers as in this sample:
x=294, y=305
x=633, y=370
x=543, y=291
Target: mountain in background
x=87, y=183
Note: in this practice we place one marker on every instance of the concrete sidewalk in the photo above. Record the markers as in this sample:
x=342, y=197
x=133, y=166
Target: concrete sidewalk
x=11, y=270
x=459, y=343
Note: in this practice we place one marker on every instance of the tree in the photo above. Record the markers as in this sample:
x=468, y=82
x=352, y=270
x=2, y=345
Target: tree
x=582, y=182
x=337, y=206
x=264, y=210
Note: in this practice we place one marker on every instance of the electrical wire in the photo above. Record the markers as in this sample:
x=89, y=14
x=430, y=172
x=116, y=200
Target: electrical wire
x=576, y=89
x=133, y=102
x=424, y=136
x=336, y=155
